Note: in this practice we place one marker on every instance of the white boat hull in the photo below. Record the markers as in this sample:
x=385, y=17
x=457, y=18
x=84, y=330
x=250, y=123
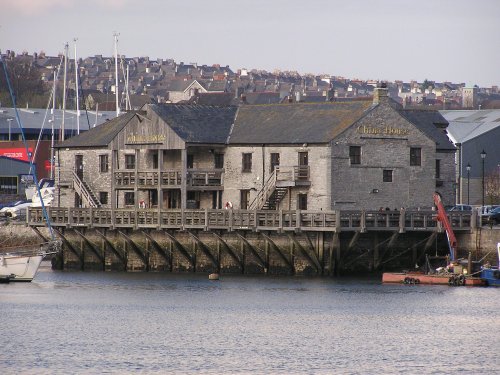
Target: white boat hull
x=20, y=267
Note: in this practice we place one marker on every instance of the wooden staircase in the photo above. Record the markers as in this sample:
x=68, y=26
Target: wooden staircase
x=81, y=187
x=277, y=185
x=269, y=196
x=273, y=201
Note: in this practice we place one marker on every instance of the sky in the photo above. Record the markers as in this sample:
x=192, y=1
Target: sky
x=439, y=40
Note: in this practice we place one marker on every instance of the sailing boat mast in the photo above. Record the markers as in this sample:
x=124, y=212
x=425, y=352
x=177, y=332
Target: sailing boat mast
x=52, y=127
x=76, y=84
x=116, y=74
x=129, y=106
x=61, y=135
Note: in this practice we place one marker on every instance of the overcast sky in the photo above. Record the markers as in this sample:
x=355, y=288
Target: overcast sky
x=440, y=40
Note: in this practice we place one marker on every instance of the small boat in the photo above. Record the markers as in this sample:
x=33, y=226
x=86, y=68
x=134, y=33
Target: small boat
x=431, y=279
x=44, y=183
x=22, y=265
x=491, y=275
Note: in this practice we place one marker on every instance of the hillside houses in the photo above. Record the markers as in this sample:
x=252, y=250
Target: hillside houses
x=168, y=81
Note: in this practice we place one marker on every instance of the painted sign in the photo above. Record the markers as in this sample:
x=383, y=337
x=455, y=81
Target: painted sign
x=140, y=139
x=17, y=153
x=387, y=130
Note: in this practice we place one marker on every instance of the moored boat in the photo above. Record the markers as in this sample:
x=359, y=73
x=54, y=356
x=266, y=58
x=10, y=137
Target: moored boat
x=491, y=275
x=22, y=265
x=431, y=279
x=456, y=272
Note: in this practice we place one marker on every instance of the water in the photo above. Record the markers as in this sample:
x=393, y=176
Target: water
x=93, y=323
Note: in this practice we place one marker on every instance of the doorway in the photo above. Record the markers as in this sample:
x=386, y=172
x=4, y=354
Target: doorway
x=79, y=166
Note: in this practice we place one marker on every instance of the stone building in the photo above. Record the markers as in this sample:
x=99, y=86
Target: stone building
x=314, y=156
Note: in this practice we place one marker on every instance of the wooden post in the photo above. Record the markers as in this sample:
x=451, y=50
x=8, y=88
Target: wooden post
x=320, y=246
x=336, y=249
x=183, y=178
x=376, y=255
x=266, y=247
x=243, y=257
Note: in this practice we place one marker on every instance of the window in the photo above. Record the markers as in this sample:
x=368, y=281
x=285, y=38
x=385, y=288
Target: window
x=129, y=198
x=155, y=160
x=303, y=158
x=415, y=156
x=387, y=177
x=103, y=197
x=8, y=185
x=246, y=163
x=129, y=161
x=244, y=198
x=302, y=201
x=438, y=168
x=190, y=161
x=275, y=160
x=355, y=154
x=103, y=163
x=218, y=161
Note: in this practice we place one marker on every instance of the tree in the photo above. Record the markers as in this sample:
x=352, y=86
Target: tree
x=426, y=85
x=25, y=81
x=492, y=187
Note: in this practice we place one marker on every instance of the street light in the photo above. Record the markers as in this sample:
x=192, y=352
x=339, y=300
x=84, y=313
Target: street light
x=468, y=180
x=9, y=120
x=483, y=156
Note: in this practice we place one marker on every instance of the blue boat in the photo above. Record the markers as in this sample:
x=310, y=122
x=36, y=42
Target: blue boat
x=491, y=275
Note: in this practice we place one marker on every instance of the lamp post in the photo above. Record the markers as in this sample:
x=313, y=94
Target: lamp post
x=9, y=120
x=483, y=156
x=468, y=180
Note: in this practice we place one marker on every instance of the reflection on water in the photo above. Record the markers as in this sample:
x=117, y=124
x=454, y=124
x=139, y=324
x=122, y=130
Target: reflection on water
x=75, y=322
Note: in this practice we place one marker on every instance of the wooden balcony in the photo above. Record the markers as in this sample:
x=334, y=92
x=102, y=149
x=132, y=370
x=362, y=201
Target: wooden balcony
x=253, y=220
x=197, y=179
x=297, y=175
x=205, y=179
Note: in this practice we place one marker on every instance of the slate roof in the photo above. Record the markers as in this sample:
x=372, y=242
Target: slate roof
x=198, y=123
x=426, y=121
x=295, y=123
x=100, y=136
x=262, y=97
x=214, y=98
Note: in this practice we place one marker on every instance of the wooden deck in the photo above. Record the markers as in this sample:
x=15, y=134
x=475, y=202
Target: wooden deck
x=252, y=220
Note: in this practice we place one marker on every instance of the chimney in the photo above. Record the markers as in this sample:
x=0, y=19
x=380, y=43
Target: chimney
x=380, y=94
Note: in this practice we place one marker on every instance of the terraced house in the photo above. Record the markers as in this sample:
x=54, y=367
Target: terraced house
x=314, y=156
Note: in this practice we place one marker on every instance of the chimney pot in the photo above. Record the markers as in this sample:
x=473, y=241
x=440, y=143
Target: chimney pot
x=380, y=94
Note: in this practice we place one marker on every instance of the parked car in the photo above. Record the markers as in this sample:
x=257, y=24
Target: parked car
x=494, y=216
x=17, y=210
x=462, y=207
x=485, y=210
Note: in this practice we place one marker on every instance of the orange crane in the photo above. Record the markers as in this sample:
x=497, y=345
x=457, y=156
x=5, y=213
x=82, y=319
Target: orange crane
x=442, y=217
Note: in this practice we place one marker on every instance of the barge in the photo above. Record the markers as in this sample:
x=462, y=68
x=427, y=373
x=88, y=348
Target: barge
x=455, y=272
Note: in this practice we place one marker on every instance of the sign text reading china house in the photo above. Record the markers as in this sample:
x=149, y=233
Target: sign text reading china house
x=387, y=130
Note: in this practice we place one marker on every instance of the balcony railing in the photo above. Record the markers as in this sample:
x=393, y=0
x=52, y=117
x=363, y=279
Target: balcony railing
x=292, y=173
x=196, y=178
x=208, y=219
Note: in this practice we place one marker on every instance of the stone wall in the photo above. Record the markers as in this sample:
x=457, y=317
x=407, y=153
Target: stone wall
x=318, y=194
x=385, y=138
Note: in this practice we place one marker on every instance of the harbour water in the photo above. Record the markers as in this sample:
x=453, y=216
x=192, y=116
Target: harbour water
x=93, y=323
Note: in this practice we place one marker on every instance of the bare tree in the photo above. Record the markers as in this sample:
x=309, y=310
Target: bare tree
x=25, y=81
x=492, y=187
